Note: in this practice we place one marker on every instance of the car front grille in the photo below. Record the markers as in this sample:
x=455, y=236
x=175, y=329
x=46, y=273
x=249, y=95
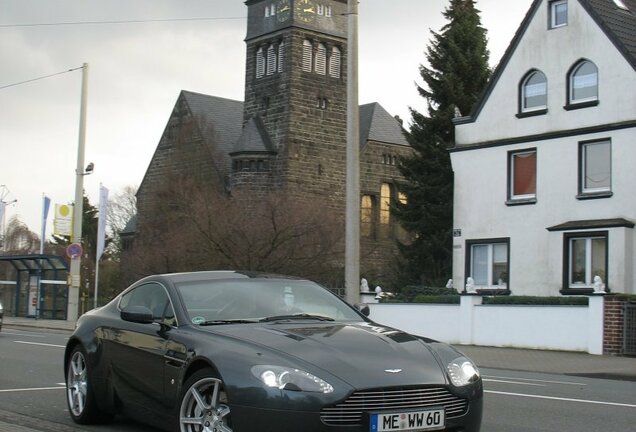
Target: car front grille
x=351, y=411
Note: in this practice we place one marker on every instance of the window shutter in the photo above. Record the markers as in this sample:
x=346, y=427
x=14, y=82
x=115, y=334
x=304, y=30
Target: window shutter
x=260, y=63
x=321, y=60
x=335, y=62
x=307, y=54
x=281, y=56
x=271, y=60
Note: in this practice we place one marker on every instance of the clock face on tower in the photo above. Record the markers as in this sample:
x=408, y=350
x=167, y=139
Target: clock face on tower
x=305, y=10
x=283, y=10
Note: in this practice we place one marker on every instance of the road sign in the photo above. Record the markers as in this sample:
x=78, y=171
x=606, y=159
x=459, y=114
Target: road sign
x=74, y=250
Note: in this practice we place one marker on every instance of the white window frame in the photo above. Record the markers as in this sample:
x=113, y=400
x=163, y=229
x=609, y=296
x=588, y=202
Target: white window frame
x=511, y=180
x=271, y=60
x=307, y=56
x=553, y=8
x=583, y=164
x=576, y=68
x=490, y=244
x=321, y=59
x=524, y=87
x=335, y=62
x=260, y=63
x=589, y=277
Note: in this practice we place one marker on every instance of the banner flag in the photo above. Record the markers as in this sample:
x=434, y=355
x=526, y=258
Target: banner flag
x=3, y=205
x=101, y=228
x=46, y=203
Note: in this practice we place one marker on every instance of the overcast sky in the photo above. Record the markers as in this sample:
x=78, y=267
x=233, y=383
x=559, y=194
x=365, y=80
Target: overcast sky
x=138, y=69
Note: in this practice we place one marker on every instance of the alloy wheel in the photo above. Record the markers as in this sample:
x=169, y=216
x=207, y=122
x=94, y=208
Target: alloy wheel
x=77, y=384
x=204, y=408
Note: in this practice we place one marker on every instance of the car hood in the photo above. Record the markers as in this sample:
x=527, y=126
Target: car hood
x=364, y=355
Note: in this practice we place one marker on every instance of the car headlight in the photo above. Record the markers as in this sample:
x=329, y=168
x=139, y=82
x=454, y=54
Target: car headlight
x=462, y=372
x=286, y=378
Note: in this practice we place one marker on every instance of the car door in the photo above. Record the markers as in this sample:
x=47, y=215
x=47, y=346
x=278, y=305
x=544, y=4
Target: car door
x=137, y=350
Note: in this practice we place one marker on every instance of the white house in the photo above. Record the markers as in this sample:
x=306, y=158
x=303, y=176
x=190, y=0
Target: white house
x=545, y=165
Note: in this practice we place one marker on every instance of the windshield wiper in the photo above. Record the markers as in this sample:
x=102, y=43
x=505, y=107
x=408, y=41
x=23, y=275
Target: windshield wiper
x=297, y=316
x=227, y=321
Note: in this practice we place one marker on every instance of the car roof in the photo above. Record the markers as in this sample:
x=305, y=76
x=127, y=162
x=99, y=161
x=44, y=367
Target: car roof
x=220, y=274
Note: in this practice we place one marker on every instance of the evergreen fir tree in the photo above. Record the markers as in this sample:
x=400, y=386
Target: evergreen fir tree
x=456, y=74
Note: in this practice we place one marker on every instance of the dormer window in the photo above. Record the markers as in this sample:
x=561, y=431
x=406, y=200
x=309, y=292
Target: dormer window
x=558, y=13
x=621, y=4
x=534, y=93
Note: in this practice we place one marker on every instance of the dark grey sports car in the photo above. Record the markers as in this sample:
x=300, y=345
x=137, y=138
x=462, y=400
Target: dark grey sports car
x=237, y=351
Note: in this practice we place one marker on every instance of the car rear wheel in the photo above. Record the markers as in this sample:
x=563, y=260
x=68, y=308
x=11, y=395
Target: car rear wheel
x=79, y=391
x=204, y=405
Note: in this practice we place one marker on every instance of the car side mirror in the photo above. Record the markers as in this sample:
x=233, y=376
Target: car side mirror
x=137, y=314
x=363, y=309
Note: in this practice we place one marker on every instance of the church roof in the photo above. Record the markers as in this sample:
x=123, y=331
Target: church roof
x=254, y=138
x=223, y=117
x=376, y=124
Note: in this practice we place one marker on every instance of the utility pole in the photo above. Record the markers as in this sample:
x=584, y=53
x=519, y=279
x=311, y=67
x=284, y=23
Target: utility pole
x=78, y=210
x=352, y=235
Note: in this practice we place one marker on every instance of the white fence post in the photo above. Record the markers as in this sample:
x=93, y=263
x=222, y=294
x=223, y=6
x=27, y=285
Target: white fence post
x=467, y=317
x=596, y=322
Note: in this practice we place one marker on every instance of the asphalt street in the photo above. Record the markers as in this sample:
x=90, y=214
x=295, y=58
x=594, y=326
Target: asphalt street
x=32, y=395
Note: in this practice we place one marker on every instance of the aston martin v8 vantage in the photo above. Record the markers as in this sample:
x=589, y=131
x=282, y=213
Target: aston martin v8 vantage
x=242, y=352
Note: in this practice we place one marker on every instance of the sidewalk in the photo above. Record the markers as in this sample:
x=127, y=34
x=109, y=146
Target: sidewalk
x=554, y=362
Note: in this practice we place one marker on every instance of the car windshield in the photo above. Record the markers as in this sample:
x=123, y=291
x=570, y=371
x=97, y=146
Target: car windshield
x=228, y=300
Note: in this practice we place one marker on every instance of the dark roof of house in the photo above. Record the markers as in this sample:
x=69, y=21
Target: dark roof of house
x=619, y=26
x=376, y=124
x=592, y=224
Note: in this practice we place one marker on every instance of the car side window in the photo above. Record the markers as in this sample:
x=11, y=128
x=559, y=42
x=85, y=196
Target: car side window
x=152, y=296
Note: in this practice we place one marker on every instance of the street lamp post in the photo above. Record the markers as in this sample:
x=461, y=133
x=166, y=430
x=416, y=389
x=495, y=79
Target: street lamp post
x=78, y=210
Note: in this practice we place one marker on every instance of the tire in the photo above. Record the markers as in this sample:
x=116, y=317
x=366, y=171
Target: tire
x=204, y=404
x=80, y=395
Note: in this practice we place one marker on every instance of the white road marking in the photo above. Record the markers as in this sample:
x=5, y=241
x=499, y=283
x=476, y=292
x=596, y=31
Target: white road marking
x=562, y=399
x=23, y=334
x=536, y=380
x=31, y=389
x=512, y=382
x=41, y=344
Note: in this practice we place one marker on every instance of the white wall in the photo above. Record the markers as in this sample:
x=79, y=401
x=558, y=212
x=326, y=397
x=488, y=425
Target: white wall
x=568, y=328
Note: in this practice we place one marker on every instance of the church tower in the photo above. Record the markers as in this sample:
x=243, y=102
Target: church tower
x=295, y=95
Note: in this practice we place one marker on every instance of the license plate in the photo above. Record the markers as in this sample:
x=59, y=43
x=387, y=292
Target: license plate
x=426, y=420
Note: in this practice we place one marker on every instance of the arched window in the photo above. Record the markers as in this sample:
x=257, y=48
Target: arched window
x=583, y=82
x=534, y=92
x=366, y=216
x=385, y=210
x=335, y=62
x=281, y=56
x=307, y=56
x=271, y=60
x=321, y=60
x=260, y=63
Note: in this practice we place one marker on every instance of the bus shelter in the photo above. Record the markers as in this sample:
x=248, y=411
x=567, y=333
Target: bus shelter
x=34, y=286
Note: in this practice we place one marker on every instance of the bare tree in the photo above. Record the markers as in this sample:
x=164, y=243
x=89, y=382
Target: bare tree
x=121, y=209
x=19, y=240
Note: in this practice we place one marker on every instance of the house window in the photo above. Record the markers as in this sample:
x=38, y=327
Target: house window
x=583, y=83
x=558, y=13
x=307, y=56
x=260, y=63
x=335, y=61
x=585, y=258
x=522, y=175
x=487, y=263
x=366, y=216
x=320, y=9
x=271, y=60
x=402, y=233
x=534, y=92
x=595, y=167
x=385, y=210
x=321, y=60
x=328, y=11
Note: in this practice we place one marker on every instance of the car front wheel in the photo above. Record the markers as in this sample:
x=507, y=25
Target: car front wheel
x=80, y=395
x=204, y=405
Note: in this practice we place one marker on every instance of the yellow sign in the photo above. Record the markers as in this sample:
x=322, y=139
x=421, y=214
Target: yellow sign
x=63, y=221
